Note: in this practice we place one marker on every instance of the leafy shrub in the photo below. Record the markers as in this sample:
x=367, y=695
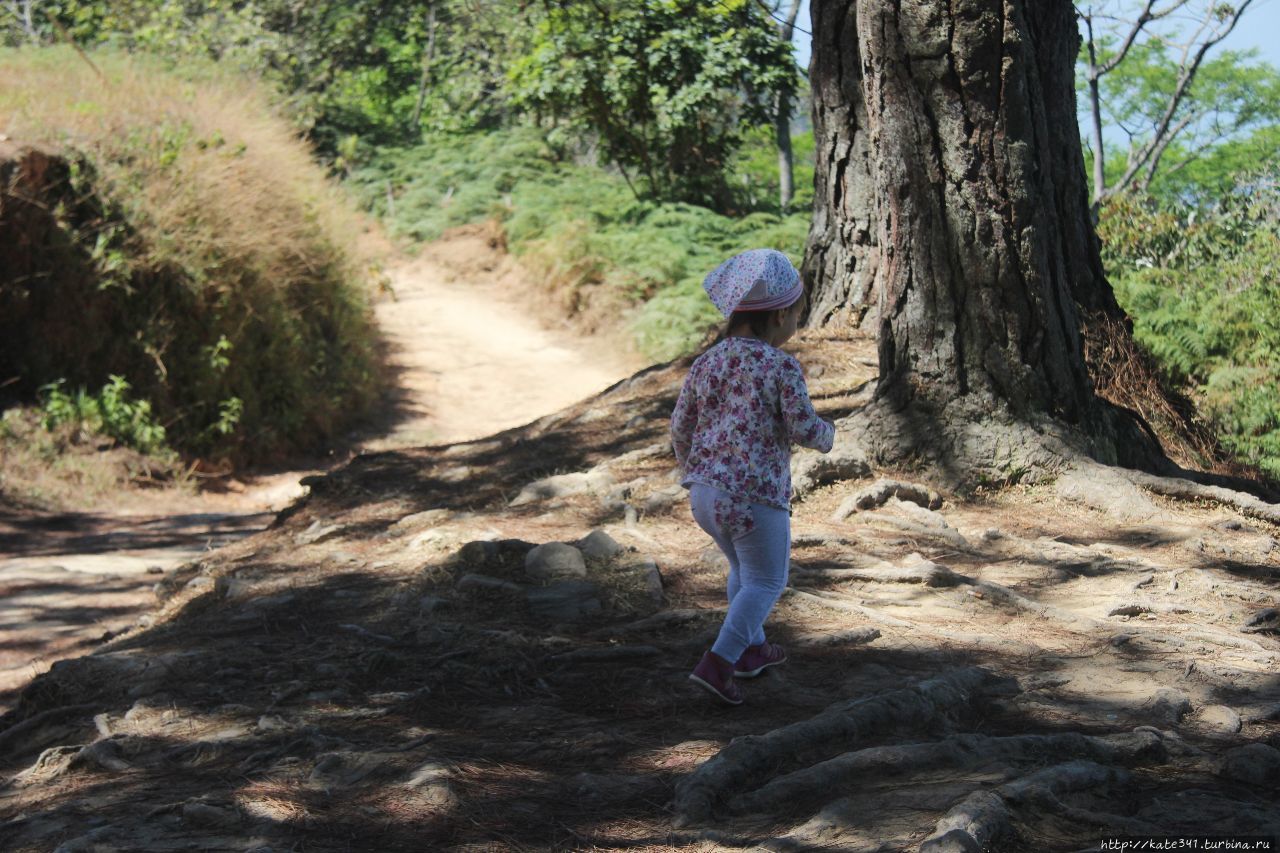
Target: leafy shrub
x=182, y=238
x=612, y=260
x=110, y=412
x=1203, y=288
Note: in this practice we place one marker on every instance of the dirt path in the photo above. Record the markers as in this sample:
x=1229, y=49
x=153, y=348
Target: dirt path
x=469, y=361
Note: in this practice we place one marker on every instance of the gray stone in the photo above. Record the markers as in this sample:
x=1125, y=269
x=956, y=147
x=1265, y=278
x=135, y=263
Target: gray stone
x=598, y=545
x=564, y=485
x=233, y=589
x=271, y=723
x=1169, y=705
x=478, y=552
x=567, y=601
x=663, y=499
x=343, y=769
x=429, y=604
x=554, y=560
x=431, y=781
x=318, y=532
x=420, y=520
x=1255, y=764
x=1263, y=621
x=103, y=755
x=1220, y=718
x=649, y=574
x=473, y=582
x=196, y=813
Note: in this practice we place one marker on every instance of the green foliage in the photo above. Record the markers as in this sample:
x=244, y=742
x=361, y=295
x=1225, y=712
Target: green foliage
x=578, y=228
x=755, y=170
x=1228, y=121
x=349, y=69
x=664, y=85
x=1203, y=287
x=189, y=244
x=111, y=412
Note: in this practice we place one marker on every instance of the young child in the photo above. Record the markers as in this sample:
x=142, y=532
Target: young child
x=742, y=406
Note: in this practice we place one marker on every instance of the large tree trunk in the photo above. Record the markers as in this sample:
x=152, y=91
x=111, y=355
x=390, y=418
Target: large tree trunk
x=951, y=211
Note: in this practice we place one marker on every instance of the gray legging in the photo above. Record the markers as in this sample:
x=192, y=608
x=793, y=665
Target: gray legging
x=758, y=566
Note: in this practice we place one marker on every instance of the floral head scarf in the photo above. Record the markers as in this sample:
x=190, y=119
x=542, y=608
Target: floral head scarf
x=755, y=280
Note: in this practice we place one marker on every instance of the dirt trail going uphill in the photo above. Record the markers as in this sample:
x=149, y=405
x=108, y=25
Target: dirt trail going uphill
x=471, y=360
x=468, y=362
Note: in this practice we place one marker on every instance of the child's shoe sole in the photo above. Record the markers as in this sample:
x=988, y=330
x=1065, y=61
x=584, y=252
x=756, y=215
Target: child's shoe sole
x=715, y=691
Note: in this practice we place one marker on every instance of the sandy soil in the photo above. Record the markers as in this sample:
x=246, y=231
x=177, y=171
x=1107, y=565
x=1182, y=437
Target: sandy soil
x=1010, y=670
x=469, y=359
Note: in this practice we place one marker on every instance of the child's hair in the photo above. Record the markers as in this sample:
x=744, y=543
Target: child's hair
x=756, y=321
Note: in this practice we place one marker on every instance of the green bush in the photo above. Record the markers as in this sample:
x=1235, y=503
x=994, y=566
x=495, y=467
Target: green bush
x=110, y=412
x=579, y=229
x=167, y=227
x=1203, y=288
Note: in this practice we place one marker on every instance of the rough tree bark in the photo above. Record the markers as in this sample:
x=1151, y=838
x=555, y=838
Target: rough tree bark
x=952, y=213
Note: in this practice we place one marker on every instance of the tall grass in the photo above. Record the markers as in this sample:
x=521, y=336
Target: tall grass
x=613, y=261
x=189, y=244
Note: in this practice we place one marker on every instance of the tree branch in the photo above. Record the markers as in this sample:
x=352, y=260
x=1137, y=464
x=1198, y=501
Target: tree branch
x=1163, y=134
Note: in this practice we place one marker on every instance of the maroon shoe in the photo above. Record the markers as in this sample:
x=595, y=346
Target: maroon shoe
x=756, y=659
x=716, y=676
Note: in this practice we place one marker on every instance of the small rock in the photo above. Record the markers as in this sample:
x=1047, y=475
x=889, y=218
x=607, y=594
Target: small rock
x=419, y=520
x=200, y=583
x=343, y=769
x=713, y=558
x=553, y=560
x=564, y=485
x=567, y=601
x=598, y=545
x=478, y=552
x=103, y=755
x=429, y=604
x=474, y=582
x=1272, y=713
x=317, y=532
x=233, y=589
x=662, y=499
x=271, y=723
x=1169, y=705
x=647, y=571
x=196, y=813
x=431, y=781
x=1220, y=718
x=1255, y=764
x=1263, y=621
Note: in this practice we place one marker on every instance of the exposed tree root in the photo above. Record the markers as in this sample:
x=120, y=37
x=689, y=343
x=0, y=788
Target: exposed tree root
x=984, y=816
x=958, y=751
x=1174, y=487
x=878, y=494
x=21, y=734
x=748, y=758
x=925, y=572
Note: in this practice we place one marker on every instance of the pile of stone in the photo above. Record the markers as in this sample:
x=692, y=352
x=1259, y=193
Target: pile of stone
x=555, y=578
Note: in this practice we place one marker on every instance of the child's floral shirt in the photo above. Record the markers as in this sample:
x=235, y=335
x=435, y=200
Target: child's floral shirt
x=742, y=406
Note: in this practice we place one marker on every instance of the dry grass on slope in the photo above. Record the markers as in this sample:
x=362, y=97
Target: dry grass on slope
x=167, y=225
